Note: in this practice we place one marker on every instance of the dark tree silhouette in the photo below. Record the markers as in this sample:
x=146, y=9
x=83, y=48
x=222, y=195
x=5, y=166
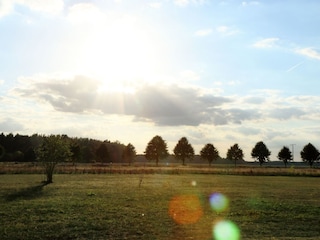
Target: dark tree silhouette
x=285, y=155
x=20, y=148
x=75, y=152
x=209, y=152
x=235, y=154
x=2, y=151
x=8, y=142
x=102, y=153
x=261, y=152
x=30, y=155
x=183, y=150
x=53, y=150
x=309, y=154
x=156, y=149
x=129, y=153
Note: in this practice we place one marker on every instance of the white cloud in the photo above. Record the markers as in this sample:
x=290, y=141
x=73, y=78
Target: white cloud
x=189, y=75
x=10, y=125
x=1, y=82
x=184, y=3
x=199, y=2
x=253, y=100
x=227, y=31
x=203, y=32
x=309, y=52
x=45, y=6
x=84, y=13
x=284, y=113
x=155, y=5
x=6, y=6
x=222, y=29
x=266, y=43
x=233, y=83
x=163, y=103
x=181, y=3
x=249, y=3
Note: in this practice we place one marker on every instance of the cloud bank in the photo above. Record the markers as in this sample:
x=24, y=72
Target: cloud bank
x=162, y=104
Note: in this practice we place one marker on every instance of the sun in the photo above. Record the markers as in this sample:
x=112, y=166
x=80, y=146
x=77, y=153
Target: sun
x=121, y=51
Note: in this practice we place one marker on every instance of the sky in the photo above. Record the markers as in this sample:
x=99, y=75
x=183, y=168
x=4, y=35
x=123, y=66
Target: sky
x=220, y=72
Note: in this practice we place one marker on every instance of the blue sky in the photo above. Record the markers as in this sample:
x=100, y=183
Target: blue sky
x=220, y=72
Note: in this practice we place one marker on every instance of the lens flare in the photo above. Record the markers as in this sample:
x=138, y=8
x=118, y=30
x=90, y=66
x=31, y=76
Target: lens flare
x=185, y=209
x=226, y=230
x=219, y=202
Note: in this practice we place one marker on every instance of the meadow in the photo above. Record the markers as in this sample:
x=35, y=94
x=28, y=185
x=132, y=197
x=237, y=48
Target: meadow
x=158, y=206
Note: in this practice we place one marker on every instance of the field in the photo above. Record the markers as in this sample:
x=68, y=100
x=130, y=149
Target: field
x=251, y=169
x=158, y=206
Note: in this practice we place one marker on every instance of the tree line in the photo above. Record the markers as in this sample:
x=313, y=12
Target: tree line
x=157, y=149
x=50, y=150
x=22, y=148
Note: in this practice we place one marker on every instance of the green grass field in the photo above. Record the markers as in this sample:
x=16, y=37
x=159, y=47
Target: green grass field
x=165, y=206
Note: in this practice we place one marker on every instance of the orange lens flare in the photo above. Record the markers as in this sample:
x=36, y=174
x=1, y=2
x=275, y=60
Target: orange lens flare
x=185, y=209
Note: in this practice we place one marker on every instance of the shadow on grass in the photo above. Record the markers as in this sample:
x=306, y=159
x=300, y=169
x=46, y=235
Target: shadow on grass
x=27, y=193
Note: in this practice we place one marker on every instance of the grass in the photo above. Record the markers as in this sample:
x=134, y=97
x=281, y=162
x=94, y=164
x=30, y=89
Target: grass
x=91, y=206
x=150, y=168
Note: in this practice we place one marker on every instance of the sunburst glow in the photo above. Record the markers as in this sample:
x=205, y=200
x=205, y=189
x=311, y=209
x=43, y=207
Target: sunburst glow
x=120, y=50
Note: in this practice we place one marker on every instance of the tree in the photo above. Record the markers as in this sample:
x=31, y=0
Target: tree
x=2, y=151
x=102, y=153
x=30, y=155
x=309, y=154
x=156, y=149
x=209, y=152
x=183, y=150
x=235, y=154
x=129, y=153
x=285, y=155
x=54, y=149
x=75, y=152
x=261, y=152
